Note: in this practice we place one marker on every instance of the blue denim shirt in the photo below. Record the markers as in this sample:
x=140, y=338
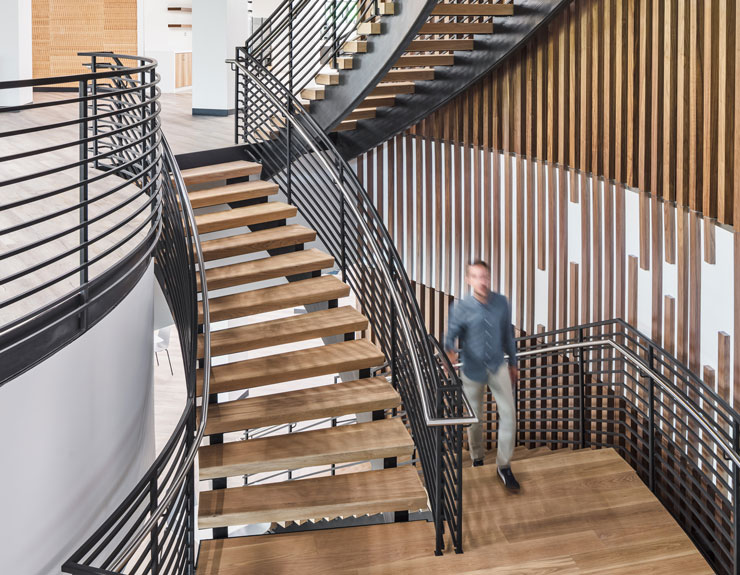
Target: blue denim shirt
x=484, y=332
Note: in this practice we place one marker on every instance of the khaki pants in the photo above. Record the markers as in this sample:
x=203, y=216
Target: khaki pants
x=500, y=384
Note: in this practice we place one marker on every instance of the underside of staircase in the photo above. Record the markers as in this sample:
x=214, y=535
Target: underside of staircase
x=442, y=54
x=247, y=238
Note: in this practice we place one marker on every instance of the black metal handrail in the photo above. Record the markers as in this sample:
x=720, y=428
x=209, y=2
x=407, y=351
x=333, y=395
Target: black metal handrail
x=153, y=529
x=76, y=236
x=296, y=154
x=126, y=190
x=606, y=384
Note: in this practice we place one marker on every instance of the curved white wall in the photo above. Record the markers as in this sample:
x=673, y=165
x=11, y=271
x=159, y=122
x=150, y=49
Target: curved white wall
x=76, y=434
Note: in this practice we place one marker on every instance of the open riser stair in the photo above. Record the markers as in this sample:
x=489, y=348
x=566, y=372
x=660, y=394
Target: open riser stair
x=239, y=262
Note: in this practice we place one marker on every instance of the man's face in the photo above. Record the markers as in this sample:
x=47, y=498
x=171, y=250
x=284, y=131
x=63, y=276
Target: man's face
x=479, y=280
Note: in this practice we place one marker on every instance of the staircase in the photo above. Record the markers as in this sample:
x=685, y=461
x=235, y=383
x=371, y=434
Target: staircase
x=258, y=227
x=451, y=27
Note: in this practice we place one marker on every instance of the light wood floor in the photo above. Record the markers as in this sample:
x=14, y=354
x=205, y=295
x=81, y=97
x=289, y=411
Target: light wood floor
x=578, y=512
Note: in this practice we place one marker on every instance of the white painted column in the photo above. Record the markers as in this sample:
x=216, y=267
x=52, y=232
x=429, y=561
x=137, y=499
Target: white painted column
x=16, y=55
x=218, y=28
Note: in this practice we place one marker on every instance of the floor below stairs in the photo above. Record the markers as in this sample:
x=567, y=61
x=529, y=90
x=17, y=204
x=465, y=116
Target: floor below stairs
x=578, y=512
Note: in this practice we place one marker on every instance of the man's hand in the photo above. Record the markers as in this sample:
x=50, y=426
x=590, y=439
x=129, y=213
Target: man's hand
x=514, y=375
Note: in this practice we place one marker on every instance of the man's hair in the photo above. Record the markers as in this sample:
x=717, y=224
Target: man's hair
x=480, y=263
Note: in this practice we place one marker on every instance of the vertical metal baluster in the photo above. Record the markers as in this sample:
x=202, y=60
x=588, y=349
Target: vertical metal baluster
x=581, y=390
x=154, y=546
x=83, y=133
x=333, y=17
x=237, y=111
x=651, y=407
x=736, y=499
x=343, y=225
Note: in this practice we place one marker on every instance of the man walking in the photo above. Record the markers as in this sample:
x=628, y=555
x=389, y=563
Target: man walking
x=481, y=322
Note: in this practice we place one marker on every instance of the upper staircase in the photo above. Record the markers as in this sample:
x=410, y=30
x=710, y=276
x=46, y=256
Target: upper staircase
x=237, y=307
x=396, y=65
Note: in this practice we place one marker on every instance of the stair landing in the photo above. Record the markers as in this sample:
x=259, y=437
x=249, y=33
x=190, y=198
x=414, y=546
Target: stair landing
x=578, y=512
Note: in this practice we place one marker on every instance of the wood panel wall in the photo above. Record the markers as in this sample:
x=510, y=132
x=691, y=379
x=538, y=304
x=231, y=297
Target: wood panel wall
x=62, y=28
x=447, y=204
x=637, y=91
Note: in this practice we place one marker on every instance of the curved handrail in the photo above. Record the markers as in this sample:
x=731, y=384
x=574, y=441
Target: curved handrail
x=615, y=388
x=340, y=181
x=118, y=136
x=187, y=463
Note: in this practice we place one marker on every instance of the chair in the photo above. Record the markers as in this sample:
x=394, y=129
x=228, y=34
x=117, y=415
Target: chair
x=161, y=343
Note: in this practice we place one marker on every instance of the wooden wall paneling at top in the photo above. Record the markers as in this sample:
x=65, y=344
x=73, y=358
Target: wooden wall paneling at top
x=62, y=28
x=640, y=91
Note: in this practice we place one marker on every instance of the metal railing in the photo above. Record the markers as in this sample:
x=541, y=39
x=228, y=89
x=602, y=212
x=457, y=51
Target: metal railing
x=80, y=213
x=83, y=217
x=296, y=42
x=153, y=529
x=296, y=154
x=607, y=385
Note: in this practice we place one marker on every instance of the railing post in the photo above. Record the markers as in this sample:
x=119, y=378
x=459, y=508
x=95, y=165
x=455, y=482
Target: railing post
x=581, y=390
x=290, y=48
x=83, y=133
x=651, y=407
x=154, y=547
x=333, y=29
x=342, y=211
x=437, y=510
x=736, y=500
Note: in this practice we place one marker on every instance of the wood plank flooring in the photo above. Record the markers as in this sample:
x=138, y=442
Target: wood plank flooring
x=578, y=512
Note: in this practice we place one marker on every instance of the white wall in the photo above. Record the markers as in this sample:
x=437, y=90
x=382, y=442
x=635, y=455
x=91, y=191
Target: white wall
x=218, y=27
x=77, y=434
x=154, y=34
x=15, y=50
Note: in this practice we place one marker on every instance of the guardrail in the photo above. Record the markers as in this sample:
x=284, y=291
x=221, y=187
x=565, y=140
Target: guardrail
x=296, y=154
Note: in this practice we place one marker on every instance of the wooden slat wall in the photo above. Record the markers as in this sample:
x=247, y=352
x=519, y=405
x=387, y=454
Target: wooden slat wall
x=62, y=28
x=639, y=91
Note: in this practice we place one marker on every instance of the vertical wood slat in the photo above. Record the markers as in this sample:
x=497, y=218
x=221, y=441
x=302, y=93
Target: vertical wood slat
x=724, y=365
x=694, y=292
x=632, y=291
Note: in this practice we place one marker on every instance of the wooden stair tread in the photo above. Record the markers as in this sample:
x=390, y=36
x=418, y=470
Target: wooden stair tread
x=369, y=28
x=300, y=364
x=341, y=495
x=361, y=114
x=482, y=9
x=327, y=79
x=433, y=45
x=378, y=101
x=318, y=550
x=457, y=28
x=409, y=75
x=345, y=125
x=413, y=60
x=217, y=172
x=355, y=47
x=357, y=396
x=244, y=216
x=392, y=88
x=232, y=193
x=313, y=93
x=311, y=290
x=322, y=323
x=361, y=442
x=258, y=241
x=283, y=265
